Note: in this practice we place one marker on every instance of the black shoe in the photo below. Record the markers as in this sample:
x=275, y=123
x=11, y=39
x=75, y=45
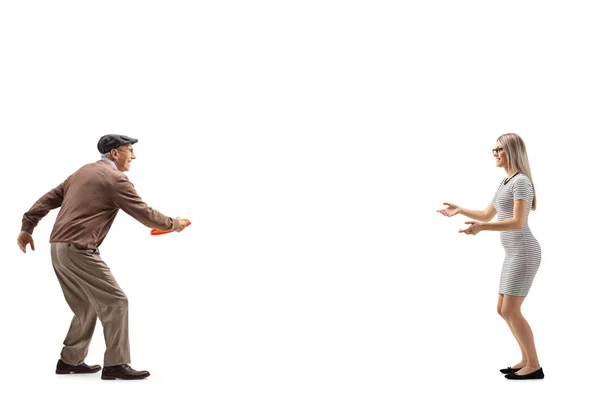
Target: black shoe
x=538, y=374
x=123, y=371
x=62, y=368
x=509, y=370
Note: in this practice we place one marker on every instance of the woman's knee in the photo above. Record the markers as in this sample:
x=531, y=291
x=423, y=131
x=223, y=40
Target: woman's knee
x=509, y=313
x=499, y=310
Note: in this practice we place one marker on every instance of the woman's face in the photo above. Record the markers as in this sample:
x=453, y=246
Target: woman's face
x=500, y=156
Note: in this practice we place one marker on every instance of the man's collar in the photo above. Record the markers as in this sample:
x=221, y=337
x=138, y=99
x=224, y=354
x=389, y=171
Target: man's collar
x=110, y=161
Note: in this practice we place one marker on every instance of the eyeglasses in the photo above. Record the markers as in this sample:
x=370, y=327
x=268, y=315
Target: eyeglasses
x=497, y=150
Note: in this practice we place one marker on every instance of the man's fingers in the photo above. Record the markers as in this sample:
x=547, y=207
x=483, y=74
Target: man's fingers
x=470, y=222
x=32, y=246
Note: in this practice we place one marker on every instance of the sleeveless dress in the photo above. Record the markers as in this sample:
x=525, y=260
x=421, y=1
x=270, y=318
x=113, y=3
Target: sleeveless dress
x=523, y=252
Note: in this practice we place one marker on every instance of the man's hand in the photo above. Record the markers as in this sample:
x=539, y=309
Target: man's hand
x=23, y=239
x=181, y=225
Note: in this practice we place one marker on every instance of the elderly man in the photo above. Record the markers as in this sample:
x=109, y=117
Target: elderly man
x=89, y=201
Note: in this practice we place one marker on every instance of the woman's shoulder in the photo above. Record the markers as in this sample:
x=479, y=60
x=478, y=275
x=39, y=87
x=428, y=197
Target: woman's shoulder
x=522, y=178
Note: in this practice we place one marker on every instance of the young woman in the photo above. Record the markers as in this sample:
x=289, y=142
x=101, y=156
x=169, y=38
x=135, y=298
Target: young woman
x=513, y=200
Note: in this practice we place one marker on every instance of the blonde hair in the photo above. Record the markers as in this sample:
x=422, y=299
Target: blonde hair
x=516, y=154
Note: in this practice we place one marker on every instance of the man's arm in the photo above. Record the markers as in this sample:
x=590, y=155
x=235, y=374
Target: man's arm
x=127, y=199
x=51, y=200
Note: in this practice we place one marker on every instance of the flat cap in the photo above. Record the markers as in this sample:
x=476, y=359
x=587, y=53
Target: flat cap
x=109, y=142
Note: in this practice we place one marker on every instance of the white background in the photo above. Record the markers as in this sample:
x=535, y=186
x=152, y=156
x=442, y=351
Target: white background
x=310, y=143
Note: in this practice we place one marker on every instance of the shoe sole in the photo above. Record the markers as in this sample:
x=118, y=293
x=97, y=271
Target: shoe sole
x=76, y=372
x=113, y=378
x=539, y=374
x=525, y=379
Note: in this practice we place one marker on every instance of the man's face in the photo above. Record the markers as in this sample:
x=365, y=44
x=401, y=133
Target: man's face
x=123, y=156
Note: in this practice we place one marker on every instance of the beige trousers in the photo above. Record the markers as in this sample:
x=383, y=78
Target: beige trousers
x=91, y=292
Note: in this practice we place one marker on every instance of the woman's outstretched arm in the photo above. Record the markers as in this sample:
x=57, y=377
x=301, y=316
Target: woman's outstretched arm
x=479, y=215
x=511, y=224
x=483, y=215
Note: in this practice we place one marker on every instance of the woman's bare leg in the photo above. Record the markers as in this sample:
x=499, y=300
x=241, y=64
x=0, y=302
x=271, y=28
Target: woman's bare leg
x=511, y=311
x=523, y=361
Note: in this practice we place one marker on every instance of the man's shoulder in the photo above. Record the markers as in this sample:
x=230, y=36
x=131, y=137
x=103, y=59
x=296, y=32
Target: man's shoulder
x=99, y=170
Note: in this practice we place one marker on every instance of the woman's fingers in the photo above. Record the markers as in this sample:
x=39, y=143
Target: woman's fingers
x=469, y=230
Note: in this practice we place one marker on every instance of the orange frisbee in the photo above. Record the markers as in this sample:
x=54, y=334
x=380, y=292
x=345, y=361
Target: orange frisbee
x=155, y=232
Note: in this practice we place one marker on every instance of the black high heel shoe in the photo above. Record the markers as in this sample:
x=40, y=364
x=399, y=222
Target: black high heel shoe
x=509, y=370
x=538, y=374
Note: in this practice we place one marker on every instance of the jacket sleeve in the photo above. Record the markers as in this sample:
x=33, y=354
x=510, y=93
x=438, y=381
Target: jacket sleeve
x=125, y=197
x=51, y=200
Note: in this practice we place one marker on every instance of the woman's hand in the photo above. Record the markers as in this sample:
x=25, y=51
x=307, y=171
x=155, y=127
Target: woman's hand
x=474, y=229
x=450, y=211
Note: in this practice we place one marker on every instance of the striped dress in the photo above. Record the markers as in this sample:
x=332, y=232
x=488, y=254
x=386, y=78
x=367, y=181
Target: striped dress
x=523, y=252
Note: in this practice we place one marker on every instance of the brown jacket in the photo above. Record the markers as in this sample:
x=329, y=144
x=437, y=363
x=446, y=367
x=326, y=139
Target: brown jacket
x=89, y=201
